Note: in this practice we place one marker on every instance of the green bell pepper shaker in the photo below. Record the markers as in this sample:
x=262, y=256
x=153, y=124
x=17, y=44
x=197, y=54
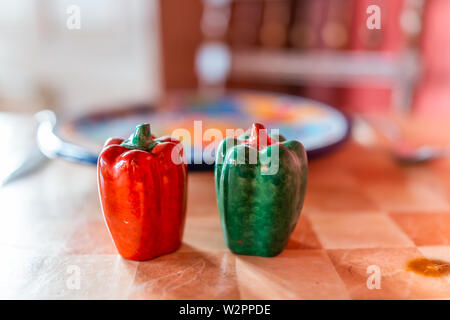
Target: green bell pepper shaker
x=260, y=187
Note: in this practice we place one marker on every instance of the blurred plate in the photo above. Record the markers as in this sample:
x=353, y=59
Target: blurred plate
x=318, y=126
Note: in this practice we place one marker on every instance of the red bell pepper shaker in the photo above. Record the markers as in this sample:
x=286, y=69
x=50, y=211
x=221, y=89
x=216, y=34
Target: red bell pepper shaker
x=142, y=183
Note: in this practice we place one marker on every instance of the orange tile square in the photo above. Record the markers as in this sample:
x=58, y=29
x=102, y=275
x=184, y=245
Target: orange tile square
x=204, y=233
x=43, y=237
x=187, y=275
x=66, y=277
x=90, y=237
x=395, y=281
x=437, y=253
x=319, y=177
x=338, y=198
x=300, y=274
x=347, y=231
x=303, y=236
x=343, y=158
x=201, y=195
x=375, y=166
x=408, y=195
x=442, y=172
x=425, y=229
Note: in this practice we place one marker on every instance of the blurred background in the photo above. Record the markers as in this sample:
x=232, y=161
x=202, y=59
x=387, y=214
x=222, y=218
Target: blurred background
x=114, y=56
x=134, y=51
x=371, y=199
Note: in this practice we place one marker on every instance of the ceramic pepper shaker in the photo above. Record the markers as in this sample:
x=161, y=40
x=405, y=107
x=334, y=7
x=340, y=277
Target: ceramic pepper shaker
x=260, y=188
x=142, y=186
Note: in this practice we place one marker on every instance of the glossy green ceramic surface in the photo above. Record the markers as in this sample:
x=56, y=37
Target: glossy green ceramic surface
x=259, y=208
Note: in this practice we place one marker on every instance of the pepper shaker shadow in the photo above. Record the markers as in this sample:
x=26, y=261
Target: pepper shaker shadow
x=260, y=188
x=142, y=184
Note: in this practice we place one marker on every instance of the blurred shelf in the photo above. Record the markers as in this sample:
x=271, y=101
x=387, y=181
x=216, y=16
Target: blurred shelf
x=330, y=68
x=398, y=72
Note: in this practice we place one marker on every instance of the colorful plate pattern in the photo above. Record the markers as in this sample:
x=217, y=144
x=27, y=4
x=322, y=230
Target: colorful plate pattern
x=319, y=127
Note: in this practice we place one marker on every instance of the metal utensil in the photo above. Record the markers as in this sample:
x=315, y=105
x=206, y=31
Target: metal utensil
x=415, y=155
x=53, y=146
x=403, y=151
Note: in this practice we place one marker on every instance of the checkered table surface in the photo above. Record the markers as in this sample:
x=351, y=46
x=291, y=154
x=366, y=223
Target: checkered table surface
x=361, y=210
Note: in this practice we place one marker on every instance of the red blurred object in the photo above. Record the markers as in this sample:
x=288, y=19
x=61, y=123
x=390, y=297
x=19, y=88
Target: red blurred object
x=389, y=39
x=433, y=92
x=367, y=70
x=360, y=99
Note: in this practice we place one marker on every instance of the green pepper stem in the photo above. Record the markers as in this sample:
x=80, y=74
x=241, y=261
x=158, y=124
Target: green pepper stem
x=141, y=138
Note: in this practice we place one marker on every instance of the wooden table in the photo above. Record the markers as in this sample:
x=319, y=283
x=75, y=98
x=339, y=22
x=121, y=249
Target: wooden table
x=363, y=214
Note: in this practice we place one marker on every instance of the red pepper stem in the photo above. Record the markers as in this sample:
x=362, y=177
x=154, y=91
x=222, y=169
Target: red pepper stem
x=140, y=139
x=259, y=135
